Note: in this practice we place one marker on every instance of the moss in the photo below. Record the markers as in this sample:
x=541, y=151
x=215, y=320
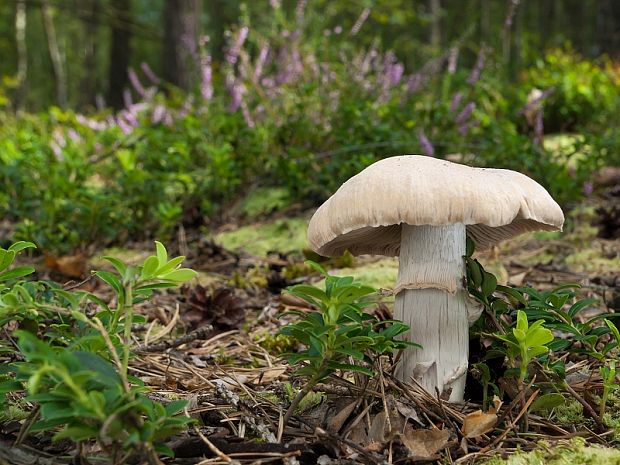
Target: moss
x=264, y=200
x=572, y=453
x=380, y=274
x=571, y=412
x=276, y=344
x=282, y=235
x=591, y=260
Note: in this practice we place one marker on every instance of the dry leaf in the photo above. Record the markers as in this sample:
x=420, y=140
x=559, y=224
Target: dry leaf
x=424, y=443
x=407, y=412
x=378, y=427
x=73, y=266
x=335, y=424
x=477, y=423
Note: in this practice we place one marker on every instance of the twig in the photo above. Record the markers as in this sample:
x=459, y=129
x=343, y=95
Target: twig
x=199, y=333
x=588, y=407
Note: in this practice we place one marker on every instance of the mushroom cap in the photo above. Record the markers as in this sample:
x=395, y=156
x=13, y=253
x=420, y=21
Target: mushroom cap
x=365, y=213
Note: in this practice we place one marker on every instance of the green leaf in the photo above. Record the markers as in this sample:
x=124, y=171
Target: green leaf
x=17, y=272
x=489, y=283
x=162, y=254
x=149, y=267
x=6, y=258
x=175, y=406
x=118, y=265
x=350, y=367
x=180, y=276
x=547, y=402
x=21, y=245
x=112, y=280
x=171, y=265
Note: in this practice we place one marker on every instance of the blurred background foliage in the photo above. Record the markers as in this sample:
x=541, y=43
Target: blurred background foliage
x=126, y=119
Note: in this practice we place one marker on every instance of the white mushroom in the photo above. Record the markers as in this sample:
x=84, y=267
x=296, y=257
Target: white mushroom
x=422, y=208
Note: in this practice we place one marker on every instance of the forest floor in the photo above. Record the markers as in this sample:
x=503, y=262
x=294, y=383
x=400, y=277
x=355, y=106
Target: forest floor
x=229, y=367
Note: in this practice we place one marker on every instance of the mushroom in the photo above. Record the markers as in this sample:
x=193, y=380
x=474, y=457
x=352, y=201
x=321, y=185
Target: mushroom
x=421, y=209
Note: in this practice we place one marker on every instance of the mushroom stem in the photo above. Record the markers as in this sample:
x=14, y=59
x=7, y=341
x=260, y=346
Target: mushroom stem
x=430, y=298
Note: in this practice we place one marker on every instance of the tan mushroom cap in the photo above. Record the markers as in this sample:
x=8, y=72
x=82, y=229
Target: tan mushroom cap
x=365, y=214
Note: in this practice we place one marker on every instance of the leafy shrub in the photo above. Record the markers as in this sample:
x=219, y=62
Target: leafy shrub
x=582, y=89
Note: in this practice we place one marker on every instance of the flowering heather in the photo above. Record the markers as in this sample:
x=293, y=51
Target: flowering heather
x=233, y=53
x=206, y=82
x=359, y=22
x=465, y=113
x=425, y=144
x=135, y=83
x=148, y=72
x=455, y=103
x=474, y=76
x=452, y=60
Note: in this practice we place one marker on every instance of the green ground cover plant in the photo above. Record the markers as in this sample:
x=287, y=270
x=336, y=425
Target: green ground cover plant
x=73, y=363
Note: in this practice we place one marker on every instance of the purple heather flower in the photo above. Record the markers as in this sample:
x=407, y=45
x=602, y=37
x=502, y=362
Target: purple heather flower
x=414, y=83
x=300, y=9
x=246, y=115
x=158, y=114
x=148, y=72
x=452, y=60
x=124, y=127
x=359, y=22
x=456, y=102
x=465, y=113
x=236, y=92
x=260, y=62
x=206, y=82
x=512, y=10
x=338, y=30
x=135, y=82
x=233, y=52
x=588, y=188
x=130, y=118
x=425, y=144
x=73, y=135
x=395, y=73
x=477, y=69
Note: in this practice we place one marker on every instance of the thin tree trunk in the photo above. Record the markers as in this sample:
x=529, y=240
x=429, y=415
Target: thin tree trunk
x=120, y=53
x=22, y=54
x=436, y=23
x=60, y=77
x=88, y=84
x=181, y=31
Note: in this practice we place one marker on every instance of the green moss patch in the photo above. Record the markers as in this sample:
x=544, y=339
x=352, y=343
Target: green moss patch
x=575, y=452
x=282, y=235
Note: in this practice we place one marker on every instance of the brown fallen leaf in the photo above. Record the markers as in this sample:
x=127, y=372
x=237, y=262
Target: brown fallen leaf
x=478, y=423
x=424, y=443
x=335, y=424
x=72, y=266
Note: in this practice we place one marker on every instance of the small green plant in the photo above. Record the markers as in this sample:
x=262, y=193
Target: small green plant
x=608, y=375
x=75, y=369
x=338, y=335
x=526, y=343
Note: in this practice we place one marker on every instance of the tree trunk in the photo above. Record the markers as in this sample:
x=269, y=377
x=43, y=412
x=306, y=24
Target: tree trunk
x=60, y=78
x=88, y=83
x=22, y=54
x=436, y=24
x=120, y=52
x=181, y=35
